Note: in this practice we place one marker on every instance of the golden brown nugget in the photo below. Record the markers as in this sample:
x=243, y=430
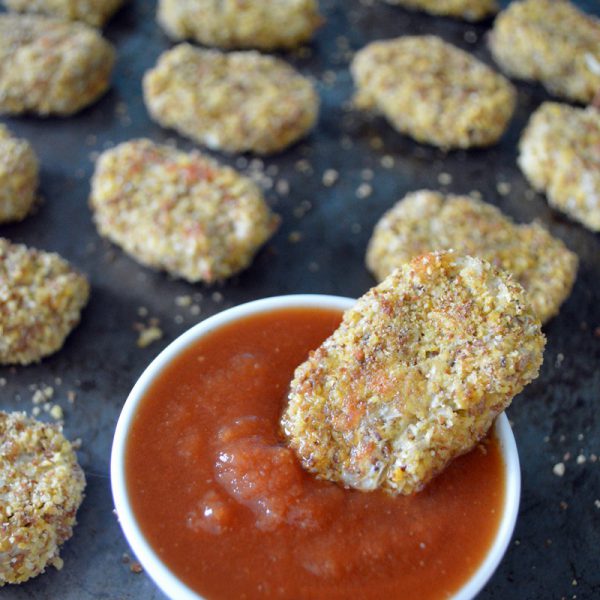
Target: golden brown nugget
x=181, y=212
x=470, y=10
x=92, y=12
x=241, y=23
x=427, y=221
x=236, y=102
x=41, y=298
x=41, y=487
x=552, y=42
x=51, y=67
x=560, y=155
x=433, y=91
x=19, y=171
x=415, y=375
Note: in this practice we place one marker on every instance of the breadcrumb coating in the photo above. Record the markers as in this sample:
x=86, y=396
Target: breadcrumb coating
x=41, y=488
x=92, y=12
x=41, y=298
x=19, y=170
x=470, y=10
x=415, y=375
x=552, y=42
x=433, y=91
x=560, y=155
x=427, y=221
x=241, y=23
x=181, y=212
x=50, y=66
x=235, y=102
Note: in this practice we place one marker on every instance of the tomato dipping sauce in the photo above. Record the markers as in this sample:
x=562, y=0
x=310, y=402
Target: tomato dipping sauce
x=227, y=507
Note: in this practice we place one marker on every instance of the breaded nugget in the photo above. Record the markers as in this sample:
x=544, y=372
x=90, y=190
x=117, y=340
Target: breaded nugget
x=92, y=12
x=19, y=170
x=241, y=23
x=433, y=91
x=236, y=102
x=560, y=155
x=552, y=42
x=426, y=221
x=51, y=67
x=41, y=487
x=415, y=375
x=41, y=297
x=470, y=10
x=180, y=212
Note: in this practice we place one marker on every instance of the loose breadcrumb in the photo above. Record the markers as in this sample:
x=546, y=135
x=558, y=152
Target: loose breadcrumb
x=92, y=12
x=433, y=91
x=236, y=102
x=235, y=24
x=425, y=221
x=470, y=10
x=19, y=171
x=41, y=488
x=50, y=66
x=552, y=42
x=41, y=297
x=149, y=335
x=415, y=374
x=560, y=155
x=181, y=212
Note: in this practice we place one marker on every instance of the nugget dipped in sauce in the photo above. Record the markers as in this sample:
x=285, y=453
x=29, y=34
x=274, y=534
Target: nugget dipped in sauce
x=415, y=374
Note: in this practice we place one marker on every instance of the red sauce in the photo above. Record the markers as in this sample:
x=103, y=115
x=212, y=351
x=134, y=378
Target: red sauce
x=228, y=508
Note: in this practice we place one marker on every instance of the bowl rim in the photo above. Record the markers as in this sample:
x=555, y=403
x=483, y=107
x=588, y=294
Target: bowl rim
x=158, y=571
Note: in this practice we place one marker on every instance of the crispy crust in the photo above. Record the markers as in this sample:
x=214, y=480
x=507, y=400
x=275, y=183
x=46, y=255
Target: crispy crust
x=236, y=102
x=51, y=67
x=433, y=91
x=235, y=24
x=41, y=297
x=19, y=171
x=180, y=212
x=560, y=155
x=92, y=12
x=552, y=42
x=426, y=221
x=415, y=374
x=41, y=489
x=470, y=10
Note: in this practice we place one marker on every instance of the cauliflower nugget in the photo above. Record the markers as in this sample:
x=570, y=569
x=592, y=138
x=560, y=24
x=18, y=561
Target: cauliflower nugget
x=552, y=42
x=41, y=486
x=241, y=23
x=183, y=213
x=560, y=155
x=415, y=374
x=236, y=102
x=426, y=221
x=433, y=91
x=51, y=67
x=470, y=10
x=19, y=171
x=92, y=12
x=41, y=297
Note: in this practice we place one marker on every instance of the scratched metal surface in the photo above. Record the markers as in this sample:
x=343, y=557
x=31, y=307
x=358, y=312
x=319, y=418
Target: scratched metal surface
x=555, y=548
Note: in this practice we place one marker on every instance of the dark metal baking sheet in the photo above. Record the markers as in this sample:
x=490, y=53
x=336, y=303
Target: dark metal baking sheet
x=555, y=547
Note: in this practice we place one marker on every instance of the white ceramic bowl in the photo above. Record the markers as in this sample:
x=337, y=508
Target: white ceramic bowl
x=158, y=571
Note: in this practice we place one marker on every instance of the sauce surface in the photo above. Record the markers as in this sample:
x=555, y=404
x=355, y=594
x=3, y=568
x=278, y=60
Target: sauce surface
x=229, y=509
